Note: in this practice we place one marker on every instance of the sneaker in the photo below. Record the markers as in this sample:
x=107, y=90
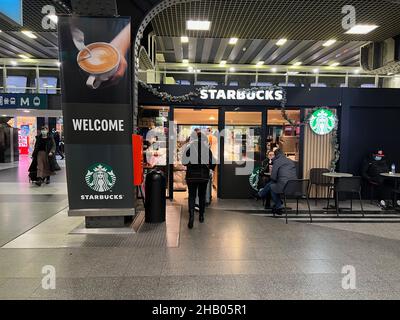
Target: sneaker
x=382, y=204
x=38, y=182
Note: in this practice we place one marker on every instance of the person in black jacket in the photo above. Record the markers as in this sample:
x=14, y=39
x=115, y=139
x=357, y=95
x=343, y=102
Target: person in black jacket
x=199, y=160
x=372, y=167
x=43, y=157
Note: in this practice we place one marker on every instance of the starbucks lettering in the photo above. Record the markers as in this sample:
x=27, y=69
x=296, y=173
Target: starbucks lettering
x=98, y=117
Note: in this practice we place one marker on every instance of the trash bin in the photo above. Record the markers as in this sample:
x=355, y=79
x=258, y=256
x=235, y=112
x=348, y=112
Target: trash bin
x=155, y=202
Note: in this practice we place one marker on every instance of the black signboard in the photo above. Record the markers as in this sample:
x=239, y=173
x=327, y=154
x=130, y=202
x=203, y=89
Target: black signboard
x=98, y=117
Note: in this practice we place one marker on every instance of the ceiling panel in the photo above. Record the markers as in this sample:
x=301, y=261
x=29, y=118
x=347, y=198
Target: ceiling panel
x=274, y=19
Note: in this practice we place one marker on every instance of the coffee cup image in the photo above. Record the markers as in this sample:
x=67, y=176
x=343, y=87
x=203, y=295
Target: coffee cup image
x=100, y=60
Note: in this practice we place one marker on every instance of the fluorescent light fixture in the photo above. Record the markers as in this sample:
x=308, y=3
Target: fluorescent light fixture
x=298, y=63
x=13, y=63
x=185, y=61
x=357, y=71
x=260, y=63
x=29, y=34
x=334, y=64
x=232, y=69
x=23, y=56
x=233, y=40
x=329, y=43
x=53, y=18
x=362, y=29
x=316, y=70
x=222, y=63
x=291, y=73
x=26, y=111
x=184, y=39
x=281, y=42
x=198, y=25
x=274, y=70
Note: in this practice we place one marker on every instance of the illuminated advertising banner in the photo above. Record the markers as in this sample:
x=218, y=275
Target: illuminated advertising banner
x=98, y=116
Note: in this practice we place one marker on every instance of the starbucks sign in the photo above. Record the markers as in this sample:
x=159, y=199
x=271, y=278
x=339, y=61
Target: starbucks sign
x=322, y=121
x=100, y=177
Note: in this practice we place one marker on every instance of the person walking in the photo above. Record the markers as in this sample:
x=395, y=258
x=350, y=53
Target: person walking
x=43, y=157
x=57, y=140
x=283, y=170
x=199, y=160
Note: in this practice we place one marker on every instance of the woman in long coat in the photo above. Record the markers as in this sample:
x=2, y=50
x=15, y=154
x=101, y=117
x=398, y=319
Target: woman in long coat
x=43, y=158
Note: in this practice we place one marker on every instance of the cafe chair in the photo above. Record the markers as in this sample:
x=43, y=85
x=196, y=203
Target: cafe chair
x=350, y=185
x=297, y=189
x=317, y=179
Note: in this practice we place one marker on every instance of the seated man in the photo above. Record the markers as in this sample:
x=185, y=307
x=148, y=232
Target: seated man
x=264, y=177
x=373, y=166
x=283, y=170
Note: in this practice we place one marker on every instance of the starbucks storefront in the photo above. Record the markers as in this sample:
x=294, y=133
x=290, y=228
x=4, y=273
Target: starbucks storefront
x=235, y=114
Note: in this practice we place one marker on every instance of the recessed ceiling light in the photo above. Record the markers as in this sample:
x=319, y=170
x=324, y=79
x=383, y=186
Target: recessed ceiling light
x=184, y=39
x=13, y=62
x=29, y=34
x=298, y=63
x=334, y=64
x=233, y=40
x=26, y=111
x=357, y=71
x=222, y=63
x=23, y=56
x=232, y=69
x=329, y=43
x=316, y=70
x=198, y=25
x=281, y=42
x=274, y=69
x=260, y=63
x=58, y=63
x=190, y=69
x=53, y=18
x=185, y=61
x=362, y=29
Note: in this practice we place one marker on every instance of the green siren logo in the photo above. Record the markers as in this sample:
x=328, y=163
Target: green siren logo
x=322, y=121
x=100, y=177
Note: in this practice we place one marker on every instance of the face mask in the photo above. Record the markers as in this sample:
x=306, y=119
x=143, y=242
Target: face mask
x=378, y=158
x=44, y=132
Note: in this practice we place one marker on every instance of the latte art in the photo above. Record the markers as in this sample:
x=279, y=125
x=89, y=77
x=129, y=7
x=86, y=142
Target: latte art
x=102, y=57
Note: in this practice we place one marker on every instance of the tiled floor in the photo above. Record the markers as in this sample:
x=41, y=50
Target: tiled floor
x=233, y=255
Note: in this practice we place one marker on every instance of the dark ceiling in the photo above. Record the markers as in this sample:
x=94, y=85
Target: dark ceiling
x=275, y=19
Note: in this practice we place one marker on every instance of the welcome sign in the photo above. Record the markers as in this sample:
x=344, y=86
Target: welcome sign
x=98, y=115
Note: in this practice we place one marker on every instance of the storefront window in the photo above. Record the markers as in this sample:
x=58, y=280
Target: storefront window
x=282, y=135
x=16, y=84
x=47, y=85
x=242, y=136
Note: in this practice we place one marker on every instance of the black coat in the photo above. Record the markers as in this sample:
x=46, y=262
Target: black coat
x=50, y=148
x=372, y=169
x=198, y=159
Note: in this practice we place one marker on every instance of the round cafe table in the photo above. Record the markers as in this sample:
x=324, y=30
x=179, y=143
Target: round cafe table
x=335, y=176
x=396, y=177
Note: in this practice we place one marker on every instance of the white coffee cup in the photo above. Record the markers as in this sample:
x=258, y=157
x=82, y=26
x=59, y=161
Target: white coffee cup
x=96, y=77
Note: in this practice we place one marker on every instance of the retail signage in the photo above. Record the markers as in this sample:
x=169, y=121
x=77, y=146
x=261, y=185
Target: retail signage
x=98, y=114
x=11, y=10
x=26, y=101
x=214, y=94
x=322, y=121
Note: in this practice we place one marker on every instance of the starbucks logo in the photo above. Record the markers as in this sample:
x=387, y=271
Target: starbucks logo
x=100, y=177
x=322, y=121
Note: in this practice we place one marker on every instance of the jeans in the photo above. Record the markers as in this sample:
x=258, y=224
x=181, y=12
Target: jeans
x=275, y=197
x=201, y=187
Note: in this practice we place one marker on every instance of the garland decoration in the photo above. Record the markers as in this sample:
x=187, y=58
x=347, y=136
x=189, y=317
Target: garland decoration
x=165, y=96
